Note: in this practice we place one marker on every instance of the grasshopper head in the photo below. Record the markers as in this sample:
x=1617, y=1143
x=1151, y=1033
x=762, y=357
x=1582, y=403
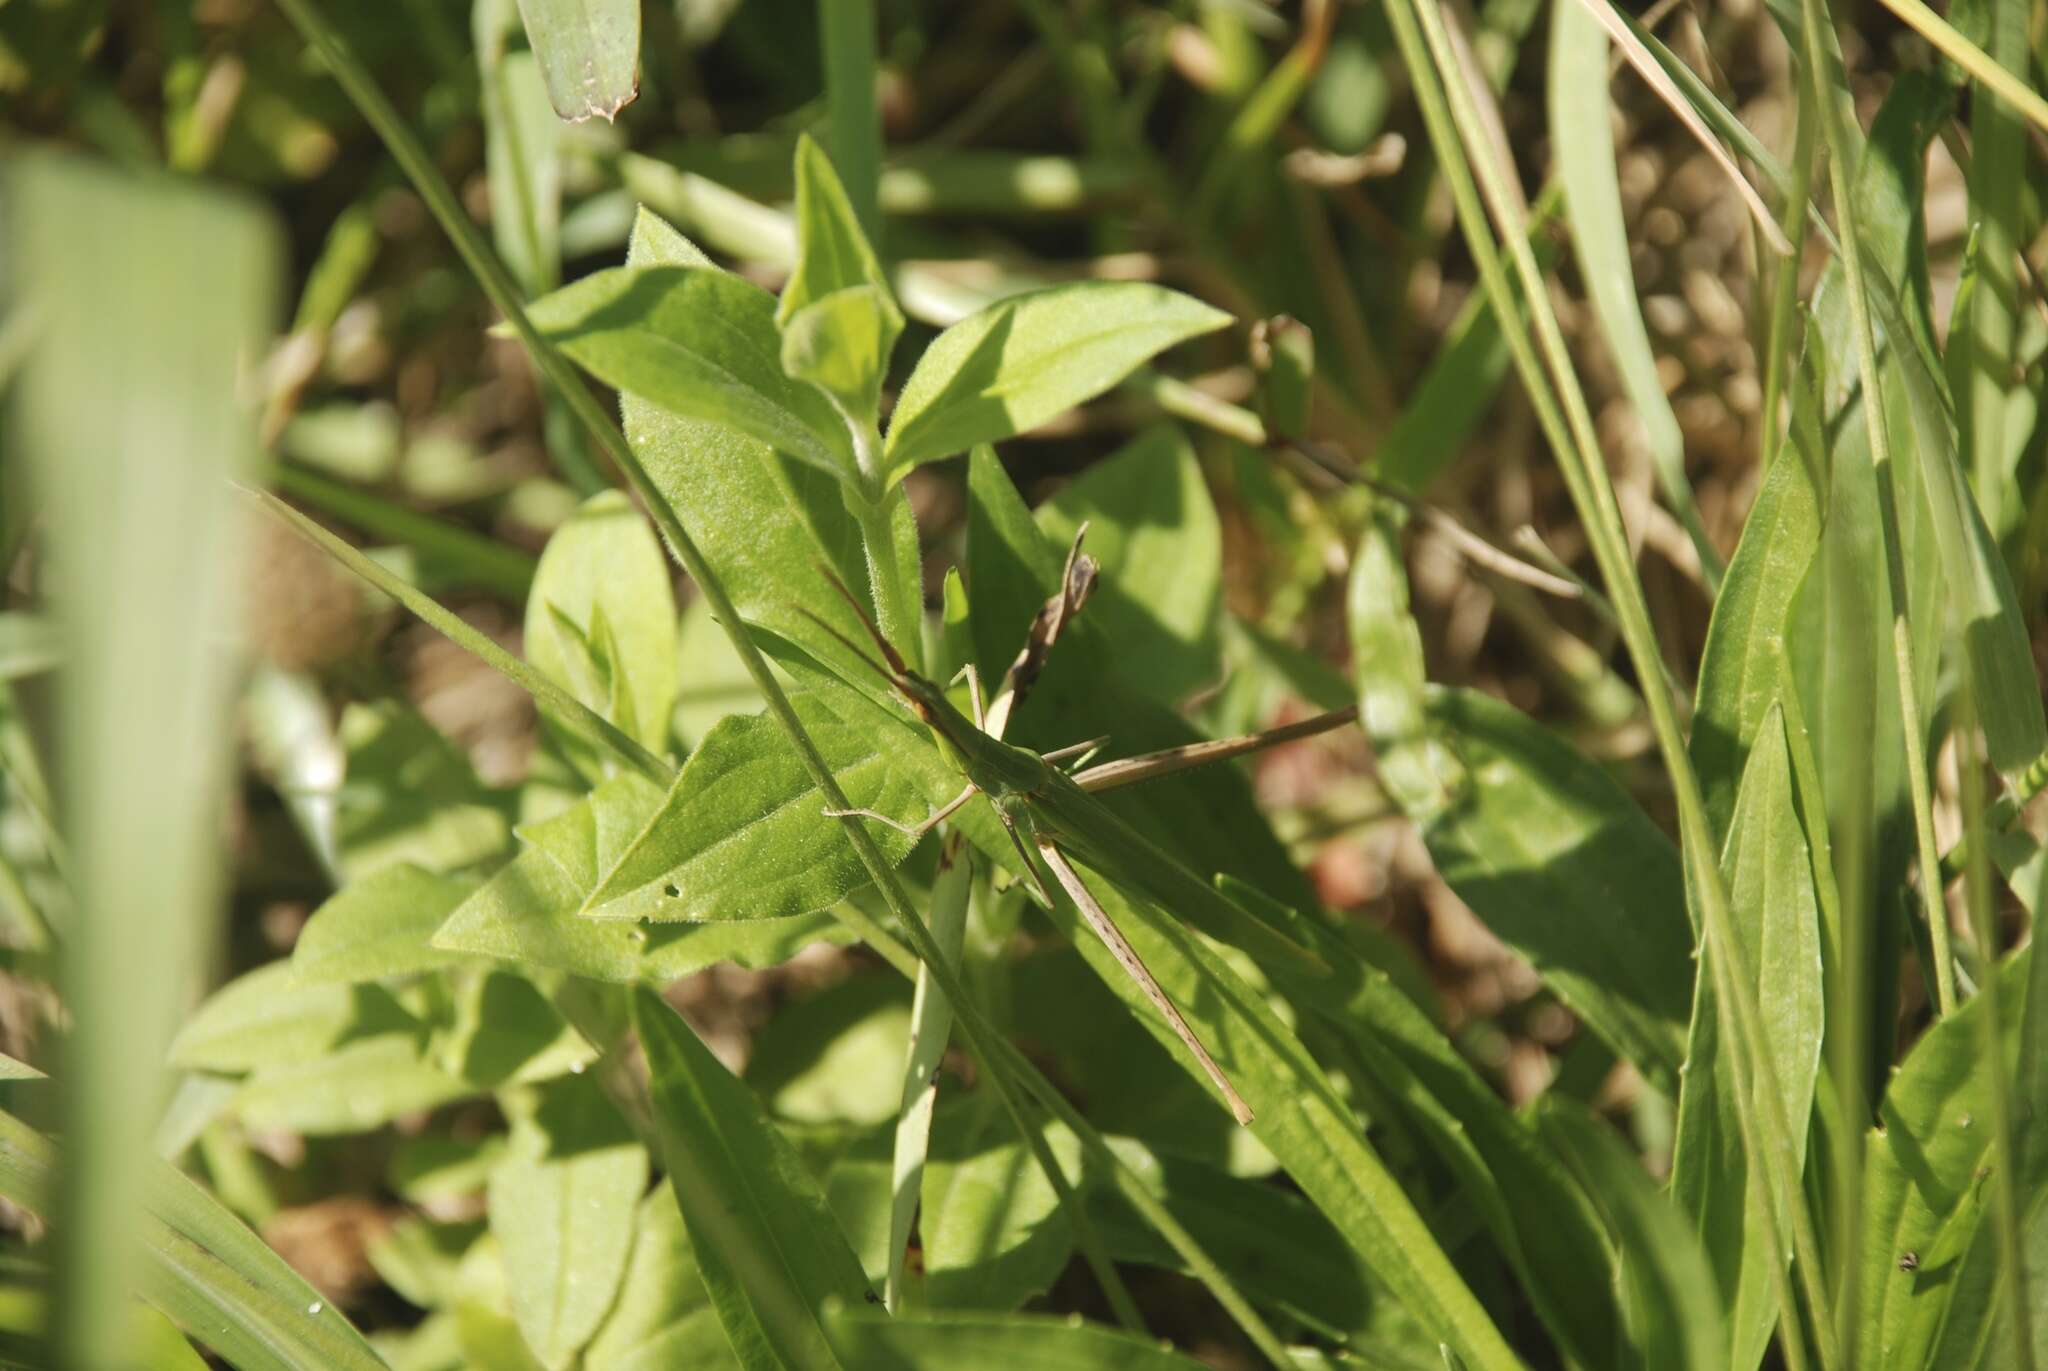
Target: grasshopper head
x=924, y=697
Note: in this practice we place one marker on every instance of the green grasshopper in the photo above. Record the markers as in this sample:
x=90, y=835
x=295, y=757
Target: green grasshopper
x=1047, y=811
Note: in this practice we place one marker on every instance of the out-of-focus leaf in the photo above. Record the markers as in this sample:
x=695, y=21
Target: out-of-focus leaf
x=662, y=1317
x=589, y=51
x=601, y=619
x=128, y=420
x=379, y=927
x=528, y=912
x=711, y=680
x=439, y=1166
x=522, y=150
x=836, y=1057
x=1153, y=531
x=1023, y=360
x=205, y=1269
x=562, y=1207
x=1582, y=139
x=411, y=796
x=994, y=1235
x=352, y=1088
x=1566, y=869
x=27, y=645
x=700, y=343
x=491, y=1341
x=267, y=1016
x=1930, y=1258
x=839, y=320
x=1667, y=1291
x=1284, y=356
x=1768, y=867
x=877, y=1343
x=507, y=1031
x=743, y=833
x=766, y=1244
x=420, y=1258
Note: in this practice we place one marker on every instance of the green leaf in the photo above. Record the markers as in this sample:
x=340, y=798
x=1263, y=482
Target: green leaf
x=700, y=343
x=589, y=51
x=663, y=1316
x=994, y=1235
x=766, y=1244
x=204, y=1269
x=28, y=645
x=507, y=1031
x=1566, y=869
x=528, y=912
x=562, y=1206
x=839, y=320
x=1582, y=134
x=420, y=1259
x=604, y=573
x=1740, y=671
x=379, y=927
x=127, y=419
x=836, y=1056
x=1015, y=1342
x=411, y=796
x=1026, y=359
x=743, y=833
x=1768, y=867
x=769, y=523
x=353, y=1088
x=522, y=151
x=1153, y=531
x=1666, y=1283
x=1930, y=1264
x=267, y=1016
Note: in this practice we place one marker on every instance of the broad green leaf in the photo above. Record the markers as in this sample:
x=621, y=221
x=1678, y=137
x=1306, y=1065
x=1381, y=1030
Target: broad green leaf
x=411, y=796
x=437, y=1166
x=354, y=1087
x=1740, y=672
x=379, y=927
x=491, y=1340
x=712, y=682
x=604, y=573
x=1016, y=1342
x=128, y=418
x=1667, y=1285
x=1153, y=531
x=839, y=321
x=743, y=833
x=993, y=1232
x=589, y=51
x=701, y=344
x=766, y=521
x=768, y=1249
x=1768, y=867
x=432, y=1344
x=1026, y=359
x=1929, y=1265
x=836, y=1056
x=204, y=1269
x=507, y=1031
x=528, y=912
x=663, y=1316
x=267, y=1016
x=420, y=1259
x=562, y=1206
x=1565, y=868
x=522, y=151
x=1582, y=141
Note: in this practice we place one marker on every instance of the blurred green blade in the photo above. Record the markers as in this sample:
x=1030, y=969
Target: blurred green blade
x=1583, y=142
x=589, y=53
x=205, y=1269
x=1014, y=1342
x=770, y=1251
x=132, y=420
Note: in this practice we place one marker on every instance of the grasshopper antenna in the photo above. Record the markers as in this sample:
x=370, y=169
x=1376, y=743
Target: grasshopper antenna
x=889, y=652
x=850, y=645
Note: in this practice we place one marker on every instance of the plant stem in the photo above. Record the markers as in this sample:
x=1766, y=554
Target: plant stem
x=1905, y=674
x=1006, y=1067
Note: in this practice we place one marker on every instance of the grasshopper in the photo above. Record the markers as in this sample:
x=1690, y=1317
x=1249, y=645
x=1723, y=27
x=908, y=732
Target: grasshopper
x=1050, y=813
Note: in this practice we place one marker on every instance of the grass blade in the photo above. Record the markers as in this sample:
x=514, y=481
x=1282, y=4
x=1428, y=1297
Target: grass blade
x=142, y=533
